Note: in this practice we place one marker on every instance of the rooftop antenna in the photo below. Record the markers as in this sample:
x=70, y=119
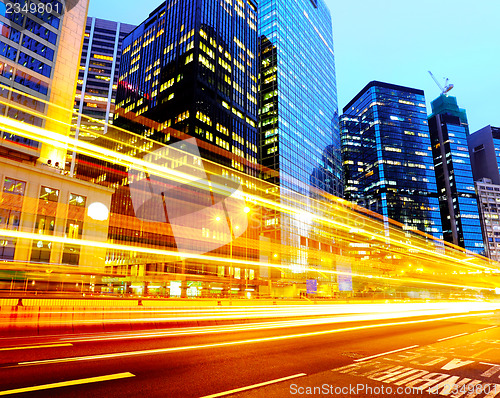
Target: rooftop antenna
x=447, y=87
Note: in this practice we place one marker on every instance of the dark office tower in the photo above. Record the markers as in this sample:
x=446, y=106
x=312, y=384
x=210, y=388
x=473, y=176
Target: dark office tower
x=457, y=196
x=298, y=100
x=388, y=156
x=192, y=66
x=98, y=76
x=484, y=149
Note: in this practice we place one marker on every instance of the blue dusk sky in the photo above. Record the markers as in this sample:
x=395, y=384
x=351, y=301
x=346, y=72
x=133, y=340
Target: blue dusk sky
x=398, y=41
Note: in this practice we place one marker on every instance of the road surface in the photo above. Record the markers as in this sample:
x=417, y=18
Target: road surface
x=255, y=360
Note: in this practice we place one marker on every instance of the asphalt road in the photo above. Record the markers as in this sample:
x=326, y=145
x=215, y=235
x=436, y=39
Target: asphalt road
x=340, y=360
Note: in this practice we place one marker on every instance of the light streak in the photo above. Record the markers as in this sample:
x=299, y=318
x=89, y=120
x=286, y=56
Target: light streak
x=234, y=343
x=169, y=253
x=45, y=136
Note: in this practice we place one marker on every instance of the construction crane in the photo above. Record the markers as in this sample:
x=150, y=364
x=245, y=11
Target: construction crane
x=447, y=87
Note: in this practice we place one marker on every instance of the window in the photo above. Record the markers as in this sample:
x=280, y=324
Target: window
x=15, y=187
x=49, y=194
x=9, y=219
x=71, y=255
x=77, y=200
x=74, y=229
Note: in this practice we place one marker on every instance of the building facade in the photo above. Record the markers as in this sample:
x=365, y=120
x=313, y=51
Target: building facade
x=449, y=130
x=484, y=149
x=39, y=53
x=298, y=99
x=98, y=76
x=299, y=136
x=387, y=156
x=192, y=66
x=488, y=197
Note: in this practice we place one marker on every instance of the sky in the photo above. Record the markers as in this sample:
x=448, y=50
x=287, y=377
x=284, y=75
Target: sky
x=399, y=41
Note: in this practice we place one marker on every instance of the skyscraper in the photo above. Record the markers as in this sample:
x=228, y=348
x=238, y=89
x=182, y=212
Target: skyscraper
x=40, y=54
x=488, y=197
x=192, y=66
x=388, y=156
x=449, y=129
x=484, y=149
x=299, y=136
x=298, y=100
x=98, y=75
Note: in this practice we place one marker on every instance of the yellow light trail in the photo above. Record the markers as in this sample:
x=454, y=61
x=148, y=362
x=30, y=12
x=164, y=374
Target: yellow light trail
x=169, y=253
x=240, y=342
x=42, y=135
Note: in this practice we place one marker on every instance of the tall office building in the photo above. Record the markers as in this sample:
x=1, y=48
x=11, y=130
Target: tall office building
x=189, y=70
x=299, y=136
x=449, y=129
x=39, y=53
x=298, y=100
x=388, y=156
x=488, y=198
x=98, y=76
x=192, y=66
x=484, y=149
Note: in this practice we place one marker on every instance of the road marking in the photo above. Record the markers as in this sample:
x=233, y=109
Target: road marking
x=489, y=327
x=266, y=383
x=385, y=353
x=238, y=342
x=490, y=364
x=30, y=347
x=68, y=383
x=452, y=337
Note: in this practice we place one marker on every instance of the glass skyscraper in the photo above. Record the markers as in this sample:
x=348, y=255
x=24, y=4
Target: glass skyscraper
x=299, y=135
x=457, y=197
x=387, y=156
x=298, y=108
x=192, y=66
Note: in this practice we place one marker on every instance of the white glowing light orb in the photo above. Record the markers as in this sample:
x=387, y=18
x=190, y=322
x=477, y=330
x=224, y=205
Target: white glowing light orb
x=98, y=211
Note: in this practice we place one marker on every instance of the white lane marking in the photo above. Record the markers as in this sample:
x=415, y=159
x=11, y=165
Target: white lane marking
x=489, y=327
x=452, y=337
x=490, y=364
x=68, y=383
x=221, y=394
x=385, y=353
x=233, y=343
x=30, y=347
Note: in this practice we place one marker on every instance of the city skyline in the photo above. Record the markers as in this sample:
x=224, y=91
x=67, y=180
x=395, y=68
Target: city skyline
x=452, y=39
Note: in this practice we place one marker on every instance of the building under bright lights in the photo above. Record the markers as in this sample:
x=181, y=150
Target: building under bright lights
x=449, y=130
x=388, y=156
x=299, y=136
x=98, y=76
x=192, y=66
